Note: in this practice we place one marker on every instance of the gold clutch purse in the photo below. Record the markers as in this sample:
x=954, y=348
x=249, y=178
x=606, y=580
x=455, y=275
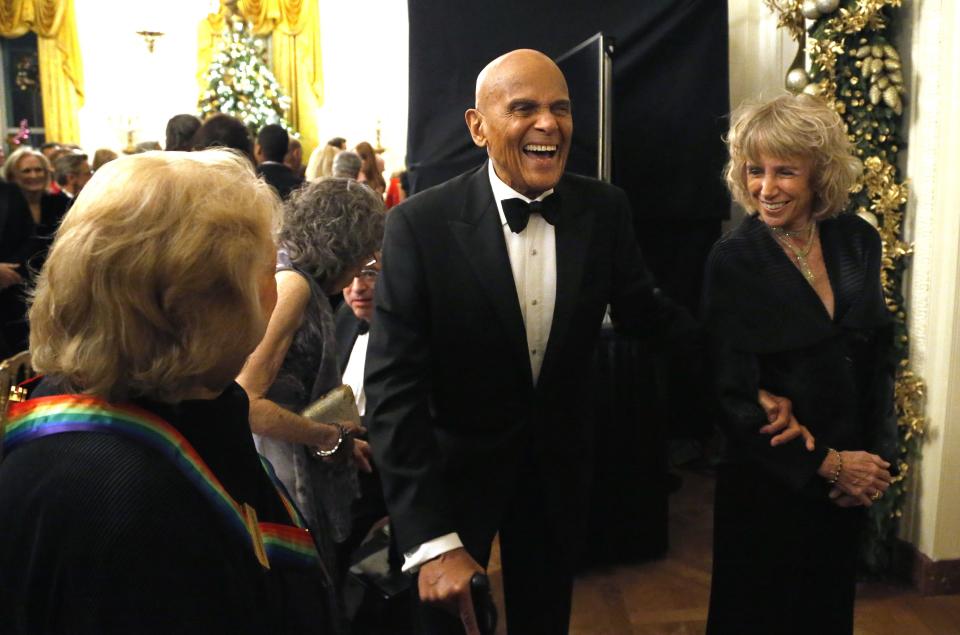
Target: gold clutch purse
x=337, y=406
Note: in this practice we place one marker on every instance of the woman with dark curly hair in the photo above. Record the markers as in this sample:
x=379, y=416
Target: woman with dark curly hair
x=331, y=229
x=794, y=306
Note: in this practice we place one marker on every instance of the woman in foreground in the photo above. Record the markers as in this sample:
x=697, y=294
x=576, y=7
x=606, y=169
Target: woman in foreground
x=794, y=306
x=132, y=498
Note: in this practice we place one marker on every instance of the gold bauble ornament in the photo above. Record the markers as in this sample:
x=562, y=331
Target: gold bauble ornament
x=810, y=10
x=797, y=80
x=812, y=89
x=827, y=6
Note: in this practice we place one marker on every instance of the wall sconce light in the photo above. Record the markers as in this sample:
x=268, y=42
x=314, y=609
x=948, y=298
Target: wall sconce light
x=150, y=37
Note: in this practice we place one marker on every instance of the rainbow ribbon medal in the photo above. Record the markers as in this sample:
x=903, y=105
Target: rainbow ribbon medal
x=271, y=542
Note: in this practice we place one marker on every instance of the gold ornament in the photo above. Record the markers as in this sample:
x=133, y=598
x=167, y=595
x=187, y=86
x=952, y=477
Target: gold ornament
x=797, y=80
x=827, y=6
x=892, y=99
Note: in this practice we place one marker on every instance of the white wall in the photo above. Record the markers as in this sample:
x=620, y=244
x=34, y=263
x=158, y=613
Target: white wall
x=931, y=35
x=364, y=62
x=127, y=87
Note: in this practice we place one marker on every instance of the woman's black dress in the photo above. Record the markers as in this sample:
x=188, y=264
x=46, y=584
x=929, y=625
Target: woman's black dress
x=24, y=242
x=784, y=555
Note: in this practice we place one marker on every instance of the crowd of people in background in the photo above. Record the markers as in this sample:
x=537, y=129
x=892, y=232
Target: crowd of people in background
x=38, y=186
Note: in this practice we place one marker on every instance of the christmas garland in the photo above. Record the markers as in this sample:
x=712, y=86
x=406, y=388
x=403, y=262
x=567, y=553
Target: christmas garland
x=857, y=71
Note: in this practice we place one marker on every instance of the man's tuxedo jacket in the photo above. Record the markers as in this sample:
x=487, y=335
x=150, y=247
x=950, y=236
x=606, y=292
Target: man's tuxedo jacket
x=452, y=409
x=280, y=177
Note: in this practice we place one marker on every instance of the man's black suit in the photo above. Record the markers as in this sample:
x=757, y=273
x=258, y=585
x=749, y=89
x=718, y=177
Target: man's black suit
x=464, y=440
x=346, y=329
x=280, y=177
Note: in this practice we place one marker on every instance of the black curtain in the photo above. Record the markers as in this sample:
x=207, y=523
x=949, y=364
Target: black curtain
x=670, y=89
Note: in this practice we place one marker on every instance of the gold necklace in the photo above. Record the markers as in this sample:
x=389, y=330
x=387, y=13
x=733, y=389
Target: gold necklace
x=783, y=236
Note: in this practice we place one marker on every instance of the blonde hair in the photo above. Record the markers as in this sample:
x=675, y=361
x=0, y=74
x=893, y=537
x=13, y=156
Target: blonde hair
x=792, y=126
x=10, y=165
x=320, y=164
x=151, y=287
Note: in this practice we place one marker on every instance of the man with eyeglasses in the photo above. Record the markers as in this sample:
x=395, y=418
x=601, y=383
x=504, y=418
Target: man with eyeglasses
x=351, y=333
x=352, y=323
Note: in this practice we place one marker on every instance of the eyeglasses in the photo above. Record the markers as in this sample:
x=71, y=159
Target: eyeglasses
x=368, y=274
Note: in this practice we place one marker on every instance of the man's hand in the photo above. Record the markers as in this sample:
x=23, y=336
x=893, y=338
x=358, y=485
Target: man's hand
x=9, y=275
x=362, y=455
x=359, y=448
x=445, y=582
x=782, y=424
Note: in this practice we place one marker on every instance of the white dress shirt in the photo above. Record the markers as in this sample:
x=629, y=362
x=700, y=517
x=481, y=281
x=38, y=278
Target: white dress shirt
x=533, y=260
x=353, y=373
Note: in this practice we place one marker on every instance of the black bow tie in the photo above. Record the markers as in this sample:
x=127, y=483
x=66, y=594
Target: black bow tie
x=518, y=211
x=363, y=327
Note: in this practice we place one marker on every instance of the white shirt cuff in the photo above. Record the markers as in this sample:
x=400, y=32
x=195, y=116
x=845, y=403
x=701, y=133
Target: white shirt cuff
x=430, y=550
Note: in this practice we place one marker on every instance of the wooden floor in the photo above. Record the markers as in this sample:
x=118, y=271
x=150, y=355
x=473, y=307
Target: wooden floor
x=670, y=596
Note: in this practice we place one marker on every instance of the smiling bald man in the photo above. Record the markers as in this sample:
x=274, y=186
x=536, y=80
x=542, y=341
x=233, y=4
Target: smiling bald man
x=487, y=313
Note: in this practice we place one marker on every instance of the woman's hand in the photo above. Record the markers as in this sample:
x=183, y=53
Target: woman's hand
x=357, y=449
x=863, y=477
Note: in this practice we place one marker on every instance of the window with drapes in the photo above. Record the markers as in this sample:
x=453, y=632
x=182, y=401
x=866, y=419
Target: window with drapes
x=22, y=97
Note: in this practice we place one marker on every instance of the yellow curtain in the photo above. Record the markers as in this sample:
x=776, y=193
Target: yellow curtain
x=61, y=70
x=294, y=26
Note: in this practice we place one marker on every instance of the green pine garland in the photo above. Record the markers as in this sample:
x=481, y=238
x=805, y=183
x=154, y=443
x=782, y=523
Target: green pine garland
x=239, y=82
x=857, y=71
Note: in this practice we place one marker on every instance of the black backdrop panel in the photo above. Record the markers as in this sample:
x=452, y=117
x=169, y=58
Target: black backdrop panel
x=670, y=89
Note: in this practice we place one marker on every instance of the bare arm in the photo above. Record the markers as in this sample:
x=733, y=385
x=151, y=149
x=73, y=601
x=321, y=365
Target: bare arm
x=258, y=374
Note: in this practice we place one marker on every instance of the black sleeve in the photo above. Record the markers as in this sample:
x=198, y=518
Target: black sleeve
x=397, y=385
x=18, y=239
x=736, y=381
x=883, y=437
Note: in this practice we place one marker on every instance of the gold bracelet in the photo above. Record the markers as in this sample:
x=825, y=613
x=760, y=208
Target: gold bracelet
x=836, y=473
